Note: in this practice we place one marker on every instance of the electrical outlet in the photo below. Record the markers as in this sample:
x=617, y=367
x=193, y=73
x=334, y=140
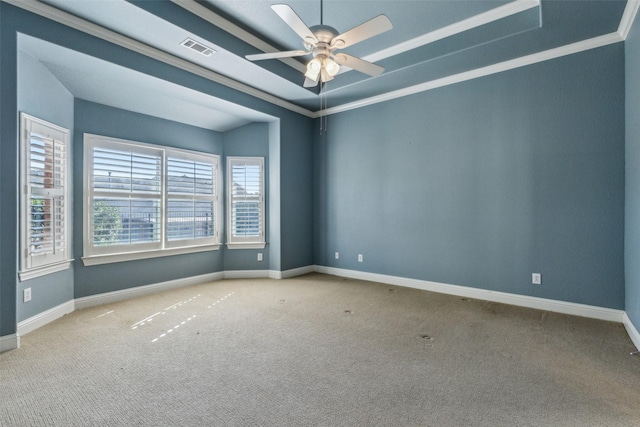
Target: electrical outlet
x=260, y=256
x=360, y=258
x=337, y=255
x=27, y=295
x=536, y=278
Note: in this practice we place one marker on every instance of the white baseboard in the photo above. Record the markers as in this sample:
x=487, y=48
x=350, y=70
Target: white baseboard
x=246, y=274
x=631, y=330
x=270, y=274
x=9, y=342
x=115, y=296
x=294, y=272
x=45, y=317
x=483, y=294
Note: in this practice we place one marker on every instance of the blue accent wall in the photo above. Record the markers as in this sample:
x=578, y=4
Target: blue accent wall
x=8, y=174
x=632, y=214
x=41, y=95
x=113, y=122
x=251, y=140
x=296, y=199
x=485, y=182
x=1, y=183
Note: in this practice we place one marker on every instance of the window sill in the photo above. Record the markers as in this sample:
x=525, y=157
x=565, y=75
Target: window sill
x=44, y=270
x=252, y=245
x=133, y=256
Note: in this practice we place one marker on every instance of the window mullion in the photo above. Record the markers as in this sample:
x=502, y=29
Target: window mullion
x=165, y=200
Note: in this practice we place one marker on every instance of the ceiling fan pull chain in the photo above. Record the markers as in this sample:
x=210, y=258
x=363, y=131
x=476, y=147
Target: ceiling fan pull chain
x=321, y=105
x=326, y=105
x=324, y=120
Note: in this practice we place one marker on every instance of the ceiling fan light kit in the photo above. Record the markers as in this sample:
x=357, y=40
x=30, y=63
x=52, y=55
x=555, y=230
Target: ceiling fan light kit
x=322, y=67
x=321, y=41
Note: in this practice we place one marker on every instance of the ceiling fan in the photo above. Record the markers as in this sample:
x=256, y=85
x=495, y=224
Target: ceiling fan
x=322, y=42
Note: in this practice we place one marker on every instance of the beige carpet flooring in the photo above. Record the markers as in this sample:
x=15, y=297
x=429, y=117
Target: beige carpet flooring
x=319, y=351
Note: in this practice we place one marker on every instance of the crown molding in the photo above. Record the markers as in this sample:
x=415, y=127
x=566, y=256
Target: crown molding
x=485, y=18
x=522, y=61
x=629, y=15
x=103, y=33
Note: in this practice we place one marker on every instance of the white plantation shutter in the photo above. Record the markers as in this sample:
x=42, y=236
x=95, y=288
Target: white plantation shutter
x=126, y=189
x=245, y=182
x=146, y=198
x=129, y=170
x=45, y=175
x=191, y=198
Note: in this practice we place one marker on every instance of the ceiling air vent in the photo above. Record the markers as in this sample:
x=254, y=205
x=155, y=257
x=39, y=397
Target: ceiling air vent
x=198, y=47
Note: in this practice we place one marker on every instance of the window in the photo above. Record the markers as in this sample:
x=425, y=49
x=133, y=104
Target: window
x=45, y=200
x=146, y=200
x=245, y=190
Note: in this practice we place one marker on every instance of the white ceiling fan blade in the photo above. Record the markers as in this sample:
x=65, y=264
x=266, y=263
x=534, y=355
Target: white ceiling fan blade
x=310, y=83
x=371, y=28
x=293, y=20
x=275, y=55
x=358, y=64
x=312, y=75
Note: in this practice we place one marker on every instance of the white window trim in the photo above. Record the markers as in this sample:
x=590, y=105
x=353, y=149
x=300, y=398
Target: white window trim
x=134, y=256
x=257, y=242
x=91, y=256
x=28, y=272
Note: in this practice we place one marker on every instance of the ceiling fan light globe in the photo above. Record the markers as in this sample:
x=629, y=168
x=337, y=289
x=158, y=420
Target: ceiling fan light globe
x=325, y=76
x=314, y=66
x=331, y=66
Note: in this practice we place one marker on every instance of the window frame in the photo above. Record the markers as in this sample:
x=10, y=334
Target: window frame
x=95, y=255
x=32, y=266
x=245, y=242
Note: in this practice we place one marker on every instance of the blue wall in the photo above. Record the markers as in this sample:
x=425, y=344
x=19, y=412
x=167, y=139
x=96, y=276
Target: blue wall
x=41, y=95
x=296, y=197
x=484, y=182
x=108, y=121
x=632, y=214
x=9, y=175
x=249, y=141
x=288, y=129
x=1, y=211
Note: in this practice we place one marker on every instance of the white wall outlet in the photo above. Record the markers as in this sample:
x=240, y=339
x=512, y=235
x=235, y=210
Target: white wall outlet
x=260, y=256
x=27, y=295
x=337, y=255
x=360, y=258
x=536, y=278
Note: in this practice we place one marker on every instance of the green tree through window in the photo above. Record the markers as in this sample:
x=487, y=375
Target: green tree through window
x=106, y=222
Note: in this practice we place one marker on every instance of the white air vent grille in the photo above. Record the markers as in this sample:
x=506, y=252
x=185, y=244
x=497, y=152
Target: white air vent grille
x=198, y=47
